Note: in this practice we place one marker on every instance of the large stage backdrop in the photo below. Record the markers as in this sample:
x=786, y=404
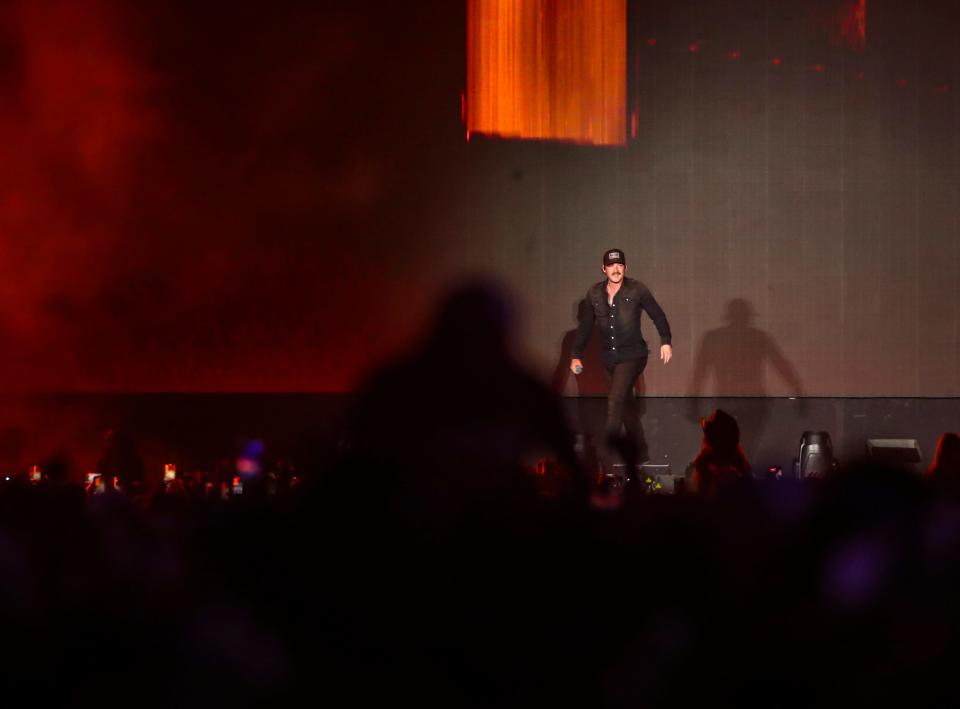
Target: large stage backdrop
x=211, y=196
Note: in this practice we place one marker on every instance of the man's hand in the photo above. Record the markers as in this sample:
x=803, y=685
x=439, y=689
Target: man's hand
x=666, y=353
x=576, y=366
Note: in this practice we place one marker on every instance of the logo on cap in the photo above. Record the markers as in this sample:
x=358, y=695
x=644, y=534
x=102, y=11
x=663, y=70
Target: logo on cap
x=613, y=256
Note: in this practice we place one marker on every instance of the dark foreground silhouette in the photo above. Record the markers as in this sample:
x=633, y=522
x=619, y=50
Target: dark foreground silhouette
x=429, y=566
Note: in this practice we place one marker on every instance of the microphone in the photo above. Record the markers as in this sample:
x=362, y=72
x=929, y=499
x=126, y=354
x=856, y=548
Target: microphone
x=578, y=369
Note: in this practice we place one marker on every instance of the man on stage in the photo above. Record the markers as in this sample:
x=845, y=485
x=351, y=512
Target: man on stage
x=616, y=305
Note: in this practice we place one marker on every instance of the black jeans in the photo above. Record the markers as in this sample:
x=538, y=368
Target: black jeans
x=622, y=410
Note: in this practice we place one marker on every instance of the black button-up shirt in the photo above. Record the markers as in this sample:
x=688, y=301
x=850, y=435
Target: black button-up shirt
x=619, y=324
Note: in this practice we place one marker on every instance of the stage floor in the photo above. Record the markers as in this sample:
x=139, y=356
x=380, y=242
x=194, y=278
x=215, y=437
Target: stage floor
x=771, y=427
x=199, y=429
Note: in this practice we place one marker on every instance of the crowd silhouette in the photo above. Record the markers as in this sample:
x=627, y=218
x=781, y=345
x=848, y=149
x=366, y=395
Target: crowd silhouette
x=429, y=562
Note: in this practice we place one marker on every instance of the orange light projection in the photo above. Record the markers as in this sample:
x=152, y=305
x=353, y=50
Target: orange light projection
x=547, y=70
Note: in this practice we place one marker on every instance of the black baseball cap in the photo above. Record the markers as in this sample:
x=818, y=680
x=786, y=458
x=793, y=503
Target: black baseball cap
x=614, y=256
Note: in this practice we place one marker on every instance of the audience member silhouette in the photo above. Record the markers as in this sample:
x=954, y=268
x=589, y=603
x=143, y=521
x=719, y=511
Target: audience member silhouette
x=721, y=462
x=460, y=417
x=497, y=614
x=120, y=460
x=254, y=601
x=944, y=472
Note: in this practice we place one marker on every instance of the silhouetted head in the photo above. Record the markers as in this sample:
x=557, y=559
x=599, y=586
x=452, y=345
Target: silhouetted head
x=721, y=463
x=56, y=469
x=475, y=318
x=721, y=431
x=948, y=453
x=738, y=312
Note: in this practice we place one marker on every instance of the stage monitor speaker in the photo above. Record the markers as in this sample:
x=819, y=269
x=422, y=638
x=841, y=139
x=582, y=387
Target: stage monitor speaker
x=901, y=452
x=816, y=456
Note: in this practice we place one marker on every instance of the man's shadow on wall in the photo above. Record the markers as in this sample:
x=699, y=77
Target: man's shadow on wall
x=735, y=358
x=586, y=412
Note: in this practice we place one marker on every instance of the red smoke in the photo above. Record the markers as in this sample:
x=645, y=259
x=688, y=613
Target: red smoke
x=73, y=115
x=132, y=254
x=204, y=196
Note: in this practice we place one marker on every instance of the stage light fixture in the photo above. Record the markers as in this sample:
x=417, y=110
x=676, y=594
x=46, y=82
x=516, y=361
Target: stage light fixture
x=816, y=458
